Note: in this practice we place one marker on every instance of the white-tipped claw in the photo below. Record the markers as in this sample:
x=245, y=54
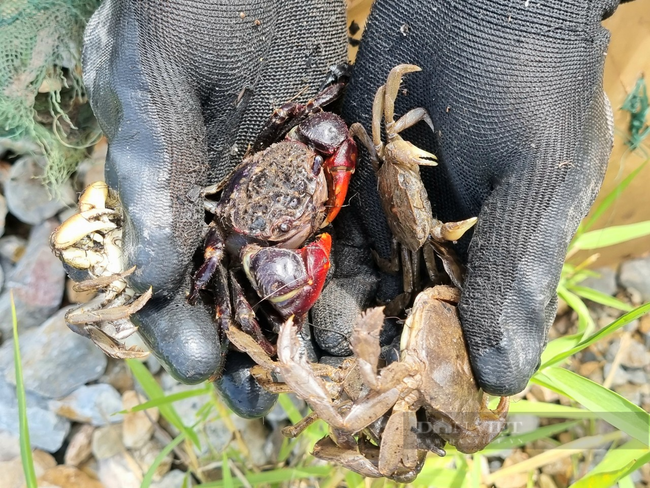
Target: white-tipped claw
x=93, y=197
x=452, y=231
x=79, y=226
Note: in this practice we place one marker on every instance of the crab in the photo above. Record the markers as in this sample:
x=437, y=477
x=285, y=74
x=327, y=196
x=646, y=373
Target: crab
x=89, y=244
x=404, y=199
x=432, y=382
x=292, y=183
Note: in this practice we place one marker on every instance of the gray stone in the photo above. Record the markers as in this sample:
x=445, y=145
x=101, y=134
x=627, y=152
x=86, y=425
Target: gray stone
x=37, y=283
x=80, y=445
x=139, y=426
x=55, y=360
x=620, y=376
x=9, y=446
x=12, y=248
x=92, y=404
x=634, y=276
x=256, y=436
x=632, y=392
x=12, y=473
x=27, y=198
x=522, y=424
x=638, y=376
x=47, y=430
x=636, y=356
x=107, y=442
x=146, y=455
x=278, y=414
x=214, y=434
x=3, y=214
x=116, y=472
x=173, y=479
x=604, y=283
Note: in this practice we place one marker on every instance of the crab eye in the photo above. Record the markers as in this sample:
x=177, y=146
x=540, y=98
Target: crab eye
x=284, y=227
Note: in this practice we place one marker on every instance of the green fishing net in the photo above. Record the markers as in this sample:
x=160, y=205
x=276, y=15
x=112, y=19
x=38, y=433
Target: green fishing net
x=41, y=92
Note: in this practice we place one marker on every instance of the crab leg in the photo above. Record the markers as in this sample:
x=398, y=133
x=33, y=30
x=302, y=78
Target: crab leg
x=213, y=255
x=81, y=316
x=299, y=375
x=392, y=88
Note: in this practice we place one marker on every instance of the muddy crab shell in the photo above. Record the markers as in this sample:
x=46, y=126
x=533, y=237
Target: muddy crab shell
x=276, y=195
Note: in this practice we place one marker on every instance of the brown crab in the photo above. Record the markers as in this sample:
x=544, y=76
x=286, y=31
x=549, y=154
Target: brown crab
x=292, y=184
x=433, y=373
x=403, y=196
x=89, y=244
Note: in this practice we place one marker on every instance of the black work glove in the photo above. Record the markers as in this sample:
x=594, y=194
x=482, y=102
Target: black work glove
x=180, y=89
x=522, y=134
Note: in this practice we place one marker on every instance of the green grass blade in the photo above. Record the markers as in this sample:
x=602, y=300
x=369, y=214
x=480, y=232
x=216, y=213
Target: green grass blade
x=166, y=400
x=609, y=405
x=609, y=236
x=23, y=425
x=148, y=477
x=601, y=334
x=612, y=197
x=354, y=480
x=274, y=476
x=586, y=324
x=550, y=410
x=442, y=478
x=598, y=297
x=289, y=408
x=225, y=472
x=559, y=346
x=621, y=461
x=154, y=391
x=518, y=440
x=602, y=480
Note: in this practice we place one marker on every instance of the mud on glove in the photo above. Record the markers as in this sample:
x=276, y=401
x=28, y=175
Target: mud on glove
x=522, y=133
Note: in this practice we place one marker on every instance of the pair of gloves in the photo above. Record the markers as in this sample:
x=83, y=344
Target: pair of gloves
x=523, y=131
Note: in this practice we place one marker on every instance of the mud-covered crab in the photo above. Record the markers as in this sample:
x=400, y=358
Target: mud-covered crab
x=403, y=196
x=293, y=184
x=432, y=380
x=89, y=244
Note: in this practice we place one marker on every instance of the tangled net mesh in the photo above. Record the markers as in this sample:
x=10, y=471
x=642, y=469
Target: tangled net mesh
x=41, y=92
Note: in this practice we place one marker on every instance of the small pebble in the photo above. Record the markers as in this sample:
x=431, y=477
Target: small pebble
x=173, y=479
x=91, y=404
x=9, y=446
x=56, y=361
x=47, y=430
x=67, y=477
x=27, y=198
x=138, y=427
x=620, y=376
x=521, y=423
x=636, y=356
x=604, y=283
x=107, y=441
x=634, y=276
x=12, y=474
x=37, y=283
x=80, y=446
x=632, y=392
x=145, y=456
x=116, y=472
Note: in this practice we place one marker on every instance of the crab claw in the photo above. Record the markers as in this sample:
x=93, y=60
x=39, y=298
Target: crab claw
x=339, y=168
x=452, y=231
x=291, y=279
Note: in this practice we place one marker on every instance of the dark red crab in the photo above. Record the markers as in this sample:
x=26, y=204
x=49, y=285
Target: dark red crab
x=275, y=200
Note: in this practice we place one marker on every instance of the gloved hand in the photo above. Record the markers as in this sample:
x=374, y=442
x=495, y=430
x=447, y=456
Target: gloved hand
x=180, y=88
x=523, y=131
